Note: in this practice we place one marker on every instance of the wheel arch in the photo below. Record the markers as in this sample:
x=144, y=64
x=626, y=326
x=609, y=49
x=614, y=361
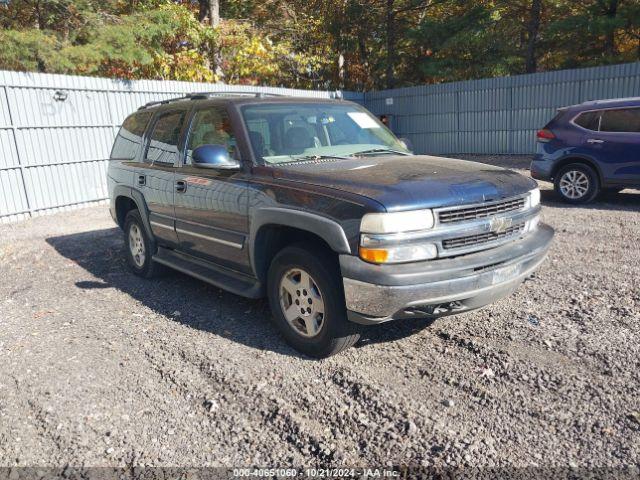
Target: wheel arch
x=580, y=160
x=273, y=229
x=126, y=199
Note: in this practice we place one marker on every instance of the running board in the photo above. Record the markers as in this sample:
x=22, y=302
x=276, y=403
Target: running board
x=215, y=275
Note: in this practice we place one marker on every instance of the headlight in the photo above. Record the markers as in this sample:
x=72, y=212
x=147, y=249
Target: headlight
x=397, y=222
x=534, y=198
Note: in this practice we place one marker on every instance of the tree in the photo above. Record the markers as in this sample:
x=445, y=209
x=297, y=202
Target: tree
x=533, y=29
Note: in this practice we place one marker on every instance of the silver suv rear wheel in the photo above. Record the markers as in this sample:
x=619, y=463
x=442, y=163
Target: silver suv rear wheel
x=136, y=245
x=139, y=250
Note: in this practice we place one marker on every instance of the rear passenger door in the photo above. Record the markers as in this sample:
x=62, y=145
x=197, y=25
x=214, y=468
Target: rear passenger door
x=211, y=205
x=155, y=177
x=618, y=143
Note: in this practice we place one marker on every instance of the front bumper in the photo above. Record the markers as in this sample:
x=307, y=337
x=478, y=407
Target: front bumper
x=379, y=293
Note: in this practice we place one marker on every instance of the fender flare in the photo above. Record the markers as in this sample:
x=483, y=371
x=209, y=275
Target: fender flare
x=328, y=230
x=138, y=199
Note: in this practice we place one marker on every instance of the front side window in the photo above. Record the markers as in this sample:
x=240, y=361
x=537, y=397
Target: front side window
x=163, y=145
x=129, y=137
x=621, y=120
x=589, y=120
x=211, y=126
x=290, y=132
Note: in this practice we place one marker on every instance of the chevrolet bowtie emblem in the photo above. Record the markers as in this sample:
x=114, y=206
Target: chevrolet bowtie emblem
x=501, y=224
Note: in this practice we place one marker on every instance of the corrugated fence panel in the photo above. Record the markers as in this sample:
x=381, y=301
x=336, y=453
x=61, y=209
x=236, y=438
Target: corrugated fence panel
x=66, y=184
x=8, y=152
x=13, y=198
x=38, y=107
x=42, y=146
x=5, y=116
x=495, y=115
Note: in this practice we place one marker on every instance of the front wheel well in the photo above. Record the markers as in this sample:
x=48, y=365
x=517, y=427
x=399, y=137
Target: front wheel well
x=270, y=239
x=123, y=206
x=579, y=160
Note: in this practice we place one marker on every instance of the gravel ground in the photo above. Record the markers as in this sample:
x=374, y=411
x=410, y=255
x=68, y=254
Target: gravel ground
x=101, y=368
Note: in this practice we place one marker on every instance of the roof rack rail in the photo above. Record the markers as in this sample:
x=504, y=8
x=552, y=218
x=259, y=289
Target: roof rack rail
x=205, y=95
x=200, y=95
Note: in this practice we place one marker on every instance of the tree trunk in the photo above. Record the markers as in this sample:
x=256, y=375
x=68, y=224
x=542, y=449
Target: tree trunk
x=214, y=10
x=533, y=29
x=211, y=9
x=391, y=43
x=204, y=10
x=611, y=11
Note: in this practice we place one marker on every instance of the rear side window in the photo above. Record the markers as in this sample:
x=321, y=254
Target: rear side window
x=164, y=137
x=588, y=120
x=622, y=120
x=129, y=137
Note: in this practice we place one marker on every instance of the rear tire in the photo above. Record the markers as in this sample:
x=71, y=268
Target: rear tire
x=577, y=183
x=307, y=301
x=139, y=247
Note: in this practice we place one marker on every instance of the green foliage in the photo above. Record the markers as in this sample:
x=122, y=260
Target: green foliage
x=32, y=50
x=353, y=44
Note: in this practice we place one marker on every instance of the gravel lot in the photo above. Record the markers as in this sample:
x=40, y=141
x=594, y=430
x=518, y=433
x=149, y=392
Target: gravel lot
x=101, y=368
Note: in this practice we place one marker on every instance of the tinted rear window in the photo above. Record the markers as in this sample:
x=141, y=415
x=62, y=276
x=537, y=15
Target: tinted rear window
x=588, y=120
x=163, y=145
x=129, y=137
x=622, y=120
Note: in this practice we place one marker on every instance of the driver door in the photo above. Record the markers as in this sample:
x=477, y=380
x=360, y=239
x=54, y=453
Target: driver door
x=211, y=205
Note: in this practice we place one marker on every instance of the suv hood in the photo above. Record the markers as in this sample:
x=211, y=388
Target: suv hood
x=410, y=182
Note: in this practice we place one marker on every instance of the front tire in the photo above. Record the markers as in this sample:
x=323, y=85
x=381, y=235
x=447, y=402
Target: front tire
x=138, y=246
x=577, y=183
x=307, y=302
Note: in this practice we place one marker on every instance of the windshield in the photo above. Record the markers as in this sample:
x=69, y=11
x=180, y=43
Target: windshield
x=290, y=132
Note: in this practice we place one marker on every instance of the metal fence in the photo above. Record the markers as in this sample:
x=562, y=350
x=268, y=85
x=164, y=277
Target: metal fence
x=56, y=133
x=498, y=115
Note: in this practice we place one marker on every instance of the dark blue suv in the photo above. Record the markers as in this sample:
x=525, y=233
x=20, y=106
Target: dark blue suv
x=317, y=206
x=590, y=148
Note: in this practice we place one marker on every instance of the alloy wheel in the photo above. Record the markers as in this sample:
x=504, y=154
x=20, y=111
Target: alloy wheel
x=301, y=302
x=136, y=245
x=574, y=184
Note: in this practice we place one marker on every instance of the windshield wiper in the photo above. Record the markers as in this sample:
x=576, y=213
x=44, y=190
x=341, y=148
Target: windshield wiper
x=379, y=150
x=306, y=158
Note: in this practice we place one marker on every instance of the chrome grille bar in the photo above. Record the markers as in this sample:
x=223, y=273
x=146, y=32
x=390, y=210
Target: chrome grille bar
x=482, y=238
x=463, y=214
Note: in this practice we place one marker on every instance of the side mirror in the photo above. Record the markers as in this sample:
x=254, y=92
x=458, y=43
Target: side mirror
x=215, y=157
x=407, y=143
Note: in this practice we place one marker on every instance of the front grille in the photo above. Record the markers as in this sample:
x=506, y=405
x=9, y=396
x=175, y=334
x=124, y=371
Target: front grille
x=481, y=238
x=480, y=211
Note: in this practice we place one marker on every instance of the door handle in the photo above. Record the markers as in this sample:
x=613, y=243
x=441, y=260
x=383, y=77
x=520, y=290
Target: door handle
x=142, y=179
x=594, y=140
x=181, y=186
